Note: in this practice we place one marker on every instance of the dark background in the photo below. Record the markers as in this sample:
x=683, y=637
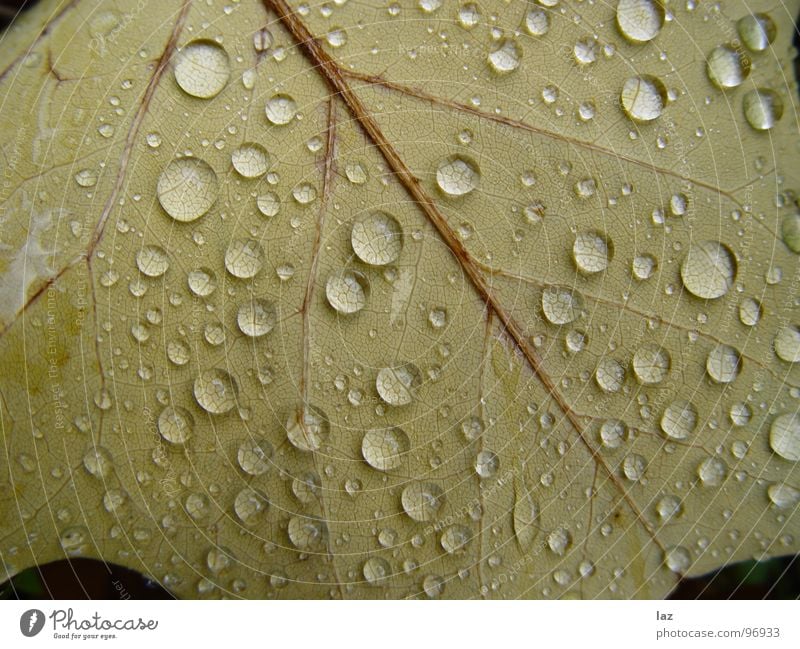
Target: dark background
x=777, y=578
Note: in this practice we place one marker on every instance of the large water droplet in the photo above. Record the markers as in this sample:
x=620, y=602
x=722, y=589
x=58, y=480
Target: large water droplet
x=651, y=364
x=679, y=419
x=244, y=258
x=281, y=109
x=634, y=467
x=455, y=539
x=175, y=424
x=784, y=436
x=307, y=428
x=307, y=533
x=757, y=31
x=396, y=385
x=457, y=176
x=640, y=20
x=723, y=364
x=346, y=291
x=268, y=204
x=787, y=344
x=643, y=266
x=591, y=252
x=712, y=472
x=762, y=108
x=783, y=496
x=561, y=305
x=643, y=98
x=256, y=317
x=187, y=188
x=377, y=238
x=610, y=375
x=727, y=68
x=215, y=391
x=750, y=312
x=537, y=22
x=613, y=433
x=152, y=261
x=487, y=464
x=97, y=461
x=202, y=282
x=505, y=56
x=249, y=505
x=202, y=69
x=422, y=501
x=677, y=559
x=384, y=448
x=376, y=570
x=708, y=270
x=254, y=455
x=250, y=160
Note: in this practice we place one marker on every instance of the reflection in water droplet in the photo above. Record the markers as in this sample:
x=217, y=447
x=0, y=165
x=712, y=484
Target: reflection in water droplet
x=356, y=173
x=651, y=364
x=215, y=391
x=643, y=266
x=634, y=466
x=679, y=419
x=256, y=317
x=762, y=108
x=505, y=56
x=422, y=501
x=591, y=252
x=708, y=270
x=86, y=178
x=377, y=238
x=457, y=176
x=346, y=291
x=643, y=98
x=248, y=505
x=97, y=461
x=175, y=424
x=561, y=305
x=396, y=385
x=757, y=31
x=469, y=15
x=202, y=69
x=281, y=109
x=537, y=22
x=384, y=448
x=613, y=433
x=727, y=68
x=723, y=364
x=640, y=20
x=244, y=258
x=187, y=188
x=152, y=261
x=784, y=436
x=250, y=160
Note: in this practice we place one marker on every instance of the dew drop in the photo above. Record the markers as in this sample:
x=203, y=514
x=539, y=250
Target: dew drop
x=396, y=385
x=250, y=160
x=346, y=291
x=249, y=505
x=384, y=448
x=202, y=282
x=244, y=258
x=268, y=204
x=457, y=176
x=723, y=364
x=679, y=420
x=202, y=69
x=216, y=391
x=613, y=433
x=712, y=472
x=750, y=312
x=561, y=305
x=727, y=68
x=377, y=238
x=356, y=173
x=708, y=270
x=376, y=570
x=422, y=501
x=97, y=461
x=152, y=261
x=640, y=20
x=256, y=317
x=634, y=466
x=307, y=428
x=644, y=266
x=455, y=539
x=651, y=364
x=784, y=436
x=505, y=56
x=677, y=559
x=86, y=178
x=175, y=424
x=610, y=375
x=787, y=344
x=762, y=108
x=643, y=98
x=790, y=232
x=559, y=541
x=783, y=496
x=537, y=22
x=591, y=252
x=487, y=464
x=187, y=188
x=306, y=533
x=757, y=31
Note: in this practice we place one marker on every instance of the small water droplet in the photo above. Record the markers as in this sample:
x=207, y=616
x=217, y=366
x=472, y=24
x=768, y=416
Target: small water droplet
x=384, y=448
x=250, y=160
x=396, y=385
x=561, y=305
x=244, y=258
x=679, y=420
x=377, y=238
x=784, y=436
x=281, y=109
x=723, y=364
x=187, y=188
x=256, y=317
x=152, y=261
x=202, y=69
x=175, y=424
x=422, y=501
x=457, y=176
x=651, y=364
x=216, y=391
x=591, y=252
x=708, y=270
x=643, y=98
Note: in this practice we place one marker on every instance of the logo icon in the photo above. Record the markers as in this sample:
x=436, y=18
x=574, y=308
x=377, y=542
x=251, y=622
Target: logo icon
x=31, y=622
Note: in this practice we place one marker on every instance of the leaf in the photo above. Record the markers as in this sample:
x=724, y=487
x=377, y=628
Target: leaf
x=327, y=302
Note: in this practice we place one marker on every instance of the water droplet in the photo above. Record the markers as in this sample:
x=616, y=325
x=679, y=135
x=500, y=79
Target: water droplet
x=787, y=344
x=712, y=472
x=679, y=419
x=433, y=585
x=86, y=178
x=218, y=559
x=561, y=305
x=784, y=436
x=610, y=375
x=216, y=391
x=97, y=461
x=307, y=428
x=727, y=68
x=346, y=291
x=202, y=282
x=152, y=261
x=422, y=501
x=585, y=51
x=537, y=22
x=281, y=109
x=559, y=541
x=256, y=317
x=377, y=238
x=74, y=540
x=708, y=270
x=175, y=424
x=262, y=40
x=202, y=69
x=384, y=448
x=254, y=455
x=304, y=194
x=762, y=108
x=505, y=55
x=249, y=505
x=651, y=364
x=356, y=173
x=268, y=204
x=634, y=466
x=187, y=188
x=472, y=427
x=177, y=352
x=783, y=496
x=396, y=385
x=250, y=160
x=307, y=533
x=677, y=559
x=455, y=539
x=643, y=98
x=640, y=20
x=487, y=464
x=750, y=312
x=591, y=252
x=376, y=570
x=114, y=499
x=613, y=433
x=336, y=37
x=644, y=266
x=457, y=176
x=668, y=508
x=469, y=15
x=723, y=364
x=757, y=31
x=244, y=258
